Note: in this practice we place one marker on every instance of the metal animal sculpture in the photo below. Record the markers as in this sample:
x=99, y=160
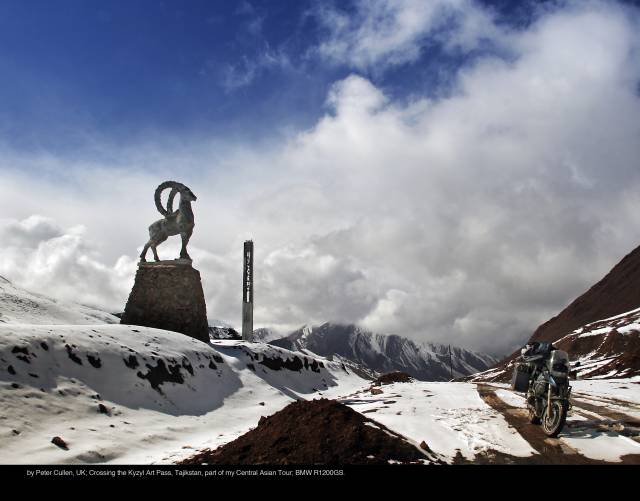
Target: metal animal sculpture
x=175, y=222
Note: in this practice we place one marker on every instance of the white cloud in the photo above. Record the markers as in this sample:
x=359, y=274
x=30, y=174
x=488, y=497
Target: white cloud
x=41, y=256
x=29, y=232
x=245, y=72
x=469, y=219
x=381, y=34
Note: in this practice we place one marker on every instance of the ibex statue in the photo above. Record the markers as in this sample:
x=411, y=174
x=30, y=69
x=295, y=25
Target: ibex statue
x=174, y=222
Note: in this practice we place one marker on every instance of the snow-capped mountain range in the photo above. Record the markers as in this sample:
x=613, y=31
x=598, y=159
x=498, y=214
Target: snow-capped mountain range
x=382, y=353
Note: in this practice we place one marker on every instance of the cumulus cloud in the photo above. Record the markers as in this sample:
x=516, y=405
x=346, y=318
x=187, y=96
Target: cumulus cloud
x=381, y=34
x=39, y=255
x=468, y=219
x=29, y=232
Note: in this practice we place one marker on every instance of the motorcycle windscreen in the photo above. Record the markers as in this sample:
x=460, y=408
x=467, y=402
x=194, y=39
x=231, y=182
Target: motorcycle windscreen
x=558, y=364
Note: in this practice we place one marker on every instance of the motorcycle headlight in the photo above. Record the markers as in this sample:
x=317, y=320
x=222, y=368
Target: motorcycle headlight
x=560, y=367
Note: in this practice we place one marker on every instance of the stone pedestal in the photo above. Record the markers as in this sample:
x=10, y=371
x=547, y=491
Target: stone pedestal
x=168, y=295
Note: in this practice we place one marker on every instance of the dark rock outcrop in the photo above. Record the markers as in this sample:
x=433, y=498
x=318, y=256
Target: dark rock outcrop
x=394, y=377
x=221, y=332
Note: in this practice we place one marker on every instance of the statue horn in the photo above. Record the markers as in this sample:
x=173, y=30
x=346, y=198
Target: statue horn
x=175, y=187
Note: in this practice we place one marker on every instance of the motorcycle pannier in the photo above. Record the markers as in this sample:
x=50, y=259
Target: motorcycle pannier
x=520, y=377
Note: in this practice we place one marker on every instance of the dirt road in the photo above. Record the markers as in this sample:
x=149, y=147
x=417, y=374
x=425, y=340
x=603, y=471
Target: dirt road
x=596, y=419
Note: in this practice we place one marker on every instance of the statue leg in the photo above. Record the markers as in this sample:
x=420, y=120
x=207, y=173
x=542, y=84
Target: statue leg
x=143, y=254
x=155, y=244
x=185, y=240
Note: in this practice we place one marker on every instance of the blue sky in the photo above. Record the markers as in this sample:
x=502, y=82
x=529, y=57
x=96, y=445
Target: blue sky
x=124, y=71
x=129, y=69
x=452, y=170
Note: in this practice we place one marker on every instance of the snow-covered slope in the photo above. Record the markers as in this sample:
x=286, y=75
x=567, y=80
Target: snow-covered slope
x=462, y=422
x=119, y=393
x=386, y=353
x=608, y=348
x=18, y=306
x=450, y=417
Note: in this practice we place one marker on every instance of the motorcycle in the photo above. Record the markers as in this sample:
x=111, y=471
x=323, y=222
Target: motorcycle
x=543, y=374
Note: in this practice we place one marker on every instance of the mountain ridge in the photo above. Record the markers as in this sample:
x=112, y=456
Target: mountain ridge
x=385, y=352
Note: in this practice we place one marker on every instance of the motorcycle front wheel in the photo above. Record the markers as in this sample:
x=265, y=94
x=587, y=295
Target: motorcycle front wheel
x=533, y=417
x=553, y=422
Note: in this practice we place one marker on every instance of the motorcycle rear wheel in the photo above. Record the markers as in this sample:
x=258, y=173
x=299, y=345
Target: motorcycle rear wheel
x=553, y=423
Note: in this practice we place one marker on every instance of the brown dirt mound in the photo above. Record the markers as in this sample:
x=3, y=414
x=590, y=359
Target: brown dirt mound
x=394, y=377
x=314, y=432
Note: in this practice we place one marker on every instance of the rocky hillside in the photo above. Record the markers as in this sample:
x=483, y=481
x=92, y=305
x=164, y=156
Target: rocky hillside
x=607, y=348
x=385, y=353
x=598, y=329
x=616, y=293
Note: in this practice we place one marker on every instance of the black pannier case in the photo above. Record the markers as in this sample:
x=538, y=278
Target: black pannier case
x=520, y=377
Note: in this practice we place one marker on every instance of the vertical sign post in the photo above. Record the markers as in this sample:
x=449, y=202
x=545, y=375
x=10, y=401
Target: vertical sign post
x=247, y=292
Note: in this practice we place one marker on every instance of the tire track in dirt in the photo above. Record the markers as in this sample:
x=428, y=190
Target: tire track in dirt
x=550, y=450
x=553, y=450
x=615, y=421
x=605, y=412
x=606, y=419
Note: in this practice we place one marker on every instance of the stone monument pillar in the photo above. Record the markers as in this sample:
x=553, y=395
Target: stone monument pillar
x=168, y=294
x=247, y=292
